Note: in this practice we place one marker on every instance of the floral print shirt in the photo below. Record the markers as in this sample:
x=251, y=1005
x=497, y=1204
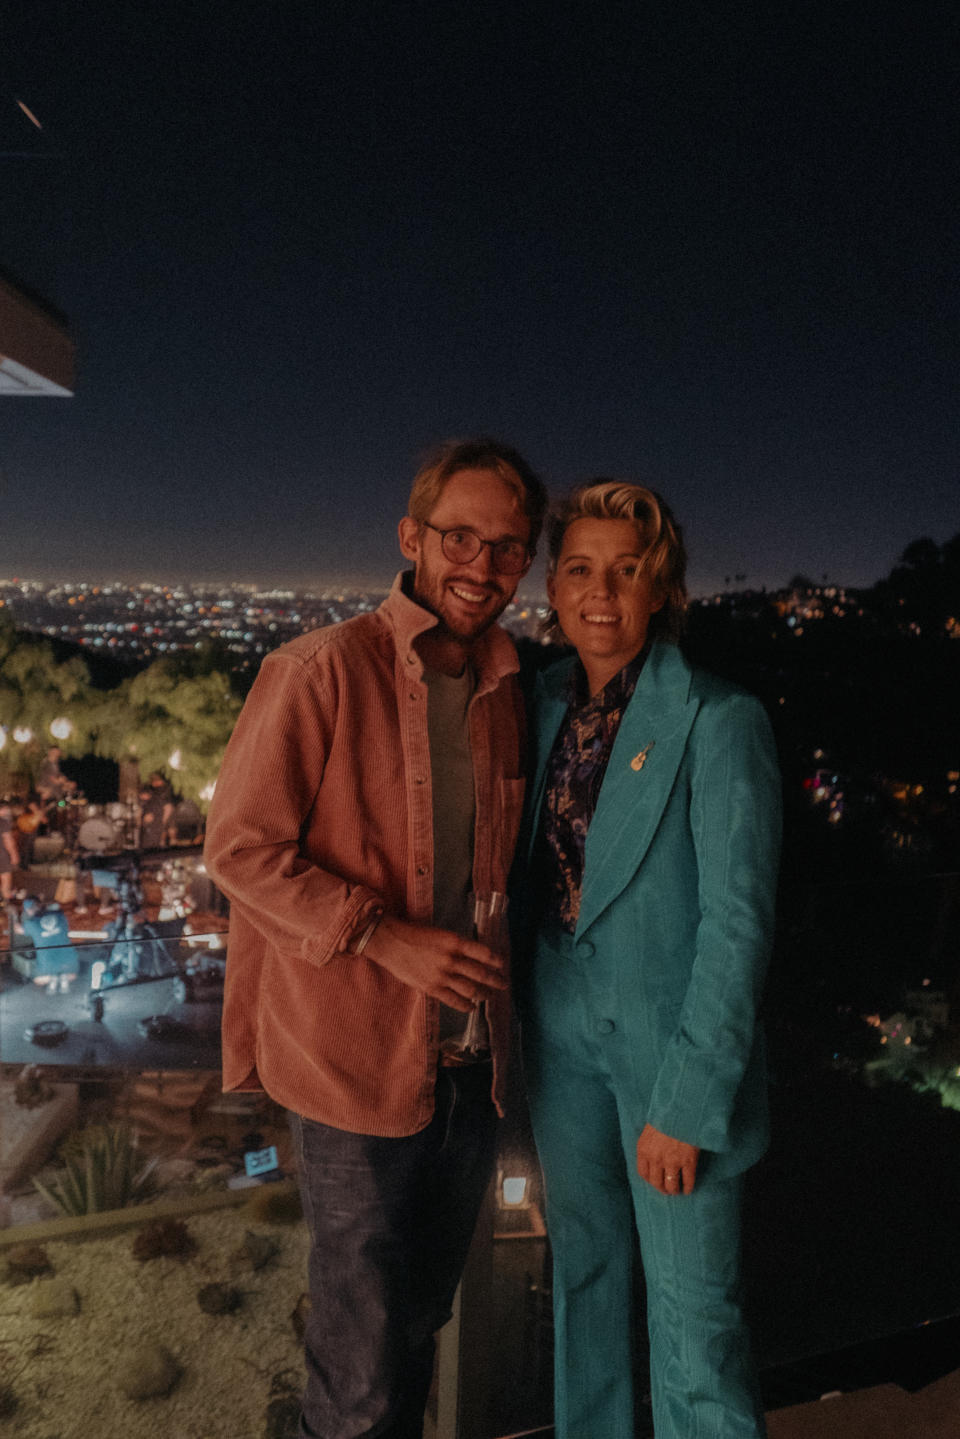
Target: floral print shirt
x=575, y=773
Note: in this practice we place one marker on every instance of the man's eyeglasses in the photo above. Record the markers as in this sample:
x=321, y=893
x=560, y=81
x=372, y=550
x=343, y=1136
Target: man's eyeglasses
x=461, y=547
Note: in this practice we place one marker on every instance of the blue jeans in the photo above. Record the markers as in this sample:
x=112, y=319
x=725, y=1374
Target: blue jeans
x=390, y=1223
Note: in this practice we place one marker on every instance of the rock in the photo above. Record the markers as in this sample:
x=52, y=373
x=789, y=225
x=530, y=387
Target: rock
x=145, y=1371
x=164, y=1238
x=213, y=1176
x=212, y=1150
x=219, y=1299
x=54, y=1299
x=26, y=1261
x=29, y=1090
x=255, y=1251
x=174, y=1173
x=298, y=1317
x=274, y=1204
x=284, y=1383
x=282, y=1418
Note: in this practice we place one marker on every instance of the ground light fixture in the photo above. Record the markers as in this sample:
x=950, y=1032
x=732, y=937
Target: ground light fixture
x=513, y=1191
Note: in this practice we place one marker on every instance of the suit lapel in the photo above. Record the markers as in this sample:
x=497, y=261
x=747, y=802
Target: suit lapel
x=643, y=766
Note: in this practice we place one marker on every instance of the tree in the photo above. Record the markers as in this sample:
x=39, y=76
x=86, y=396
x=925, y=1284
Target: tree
x=923, y=588
x=183, y=708
x=169, y=719
x=35, y=689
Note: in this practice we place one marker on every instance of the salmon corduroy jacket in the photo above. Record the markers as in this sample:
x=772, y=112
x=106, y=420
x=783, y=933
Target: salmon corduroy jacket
x=322, y=812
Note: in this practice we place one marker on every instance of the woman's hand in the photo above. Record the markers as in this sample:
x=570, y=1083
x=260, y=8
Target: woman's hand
x=670, y=1165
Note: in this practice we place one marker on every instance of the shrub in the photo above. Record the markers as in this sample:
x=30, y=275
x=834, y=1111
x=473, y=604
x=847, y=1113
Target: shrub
x=104, y=1169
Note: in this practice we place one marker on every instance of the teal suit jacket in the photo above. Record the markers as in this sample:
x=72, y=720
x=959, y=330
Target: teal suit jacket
x=677, y=907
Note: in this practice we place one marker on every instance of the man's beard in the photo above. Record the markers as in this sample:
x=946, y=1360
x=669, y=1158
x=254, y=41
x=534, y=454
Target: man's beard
x=466, y=633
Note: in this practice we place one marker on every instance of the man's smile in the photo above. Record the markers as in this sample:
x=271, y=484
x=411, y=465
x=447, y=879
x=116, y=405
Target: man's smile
x=469, y=595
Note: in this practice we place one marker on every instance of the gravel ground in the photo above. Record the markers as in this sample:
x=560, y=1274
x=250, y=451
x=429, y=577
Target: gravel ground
x=63, y=1369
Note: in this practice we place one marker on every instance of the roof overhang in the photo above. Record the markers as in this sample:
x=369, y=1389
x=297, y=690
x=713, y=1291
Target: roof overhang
x=36, y=353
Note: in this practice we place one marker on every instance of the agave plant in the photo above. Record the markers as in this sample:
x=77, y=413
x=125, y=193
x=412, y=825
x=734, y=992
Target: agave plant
x=104, y=1169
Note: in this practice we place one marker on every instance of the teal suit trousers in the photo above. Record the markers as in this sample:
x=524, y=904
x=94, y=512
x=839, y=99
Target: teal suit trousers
x=586, y=1127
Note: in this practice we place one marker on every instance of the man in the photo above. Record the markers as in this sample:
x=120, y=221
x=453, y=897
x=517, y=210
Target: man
x=57, y=963
x=52, y=784
x=374, y=780
x=9, y=853
x=27, y=823
x=156, y=811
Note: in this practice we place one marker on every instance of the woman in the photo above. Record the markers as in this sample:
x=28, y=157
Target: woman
x=646, y=923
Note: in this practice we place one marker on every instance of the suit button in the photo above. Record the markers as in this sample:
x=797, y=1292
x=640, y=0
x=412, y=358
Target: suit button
x=605, y=1026
x=586, y=948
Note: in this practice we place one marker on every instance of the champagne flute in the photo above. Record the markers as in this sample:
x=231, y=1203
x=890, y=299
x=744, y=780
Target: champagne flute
x=490, y=927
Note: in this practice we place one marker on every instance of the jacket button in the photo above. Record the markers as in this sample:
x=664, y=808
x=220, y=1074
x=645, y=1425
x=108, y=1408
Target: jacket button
x=423, y=869
x=605, y=1026
x=586, y=948
x=419, y=779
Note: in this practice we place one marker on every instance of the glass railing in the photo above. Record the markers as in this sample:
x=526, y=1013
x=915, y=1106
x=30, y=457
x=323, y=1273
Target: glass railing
x=109, y=1052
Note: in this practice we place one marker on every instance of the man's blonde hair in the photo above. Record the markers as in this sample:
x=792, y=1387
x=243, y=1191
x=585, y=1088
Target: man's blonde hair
x=482, y=453
x=663, y=556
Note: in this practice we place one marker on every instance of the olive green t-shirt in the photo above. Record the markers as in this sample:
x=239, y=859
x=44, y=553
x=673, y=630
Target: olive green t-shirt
x=454, y=808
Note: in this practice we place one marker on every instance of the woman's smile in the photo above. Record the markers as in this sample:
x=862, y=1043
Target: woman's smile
x=603, y=598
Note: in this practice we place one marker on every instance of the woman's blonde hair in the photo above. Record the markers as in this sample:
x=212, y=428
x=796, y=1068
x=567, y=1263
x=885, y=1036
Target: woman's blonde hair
x=663, y=556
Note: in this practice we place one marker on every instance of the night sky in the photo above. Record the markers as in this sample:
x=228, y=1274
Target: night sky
x=712, y=247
